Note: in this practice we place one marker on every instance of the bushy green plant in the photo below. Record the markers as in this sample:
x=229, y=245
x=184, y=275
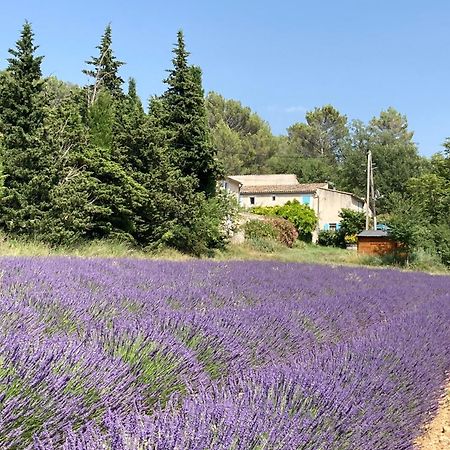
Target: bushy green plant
x=207, y=229
x=328, y=238
x=262, y=235
x=265, y=210
x=352, y=222
x=441, y=238
x=259, y=229
x=302, y=216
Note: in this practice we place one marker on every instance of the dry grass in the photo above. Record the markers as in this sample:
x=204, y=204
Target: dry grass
x=302, y=253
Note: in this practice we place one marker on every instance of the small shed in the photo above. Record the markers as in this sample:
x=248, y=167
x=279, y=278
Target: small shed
x=376, y=242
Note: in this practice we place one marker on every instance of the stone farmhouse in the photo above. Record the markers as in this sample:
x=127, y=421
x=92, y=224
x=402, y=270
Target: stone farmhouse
x=273, y=190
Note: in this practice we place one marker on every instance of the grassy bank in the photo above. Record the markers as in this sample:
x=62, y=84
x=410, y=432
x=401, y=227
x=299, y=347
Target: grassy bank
x=304, y=253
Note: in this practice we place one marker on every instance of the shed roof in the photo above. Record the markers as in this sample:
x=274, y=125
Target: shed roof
x=281, y=188
x=373, y=233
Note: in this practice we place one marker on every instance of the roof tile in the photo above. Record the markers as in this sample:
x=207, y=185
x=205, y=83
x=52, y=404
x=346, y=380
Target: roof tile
x=283, y=189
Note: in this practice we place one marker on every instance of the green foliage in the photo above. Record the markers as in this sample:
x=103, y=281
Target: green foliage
x=204, y=226
x=419, y=218
x=183, y=117
x=262, y=235
x=101, y=119
x=259, y=229
x=441, y=238
x=105, y=70
x=27, y=162
x=243, y=140
x=324, y=135
x=271, y=228
x=352, y=222
x=405, y=225
x=394, y=154
x=301, y=216
x=329, y=238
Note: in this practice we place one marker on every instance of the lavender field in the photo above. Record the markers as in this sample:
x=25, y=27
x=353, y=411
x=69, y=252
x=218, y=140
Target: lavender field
x=129, y=355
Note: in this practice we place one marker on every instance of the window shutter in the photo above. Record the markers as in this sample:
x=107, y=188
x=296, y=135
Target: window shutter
x=338, y=225
x=306, y=200
x=326, y=226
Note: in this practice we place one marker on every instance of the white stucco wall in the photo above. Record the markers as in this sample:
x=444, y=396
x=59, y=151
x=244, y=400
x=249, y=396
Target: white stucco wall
x=329, y=203
x=267, y=199
x=231, y=186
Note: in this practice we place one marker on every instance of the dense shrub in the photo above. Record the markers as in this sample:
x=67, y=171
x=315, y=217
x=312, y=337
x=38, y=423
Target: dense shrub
x=352, y=222
x=286, y=231
x=261, y=235
x=328, y=238
x=209, y=229
x=259, y=229
x=302, y=216
x=265, y=210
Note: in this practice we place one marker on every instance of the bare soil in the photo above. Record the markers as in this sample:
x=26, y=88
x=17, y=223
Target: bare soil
x=437, y=432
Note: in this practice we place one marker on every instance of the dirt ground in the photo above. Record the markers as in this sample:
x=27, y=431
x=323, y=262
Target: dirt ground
x=437, y=434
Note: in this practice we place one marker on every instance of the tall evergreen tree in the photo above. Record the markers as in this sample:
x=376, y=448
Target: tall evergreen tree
x=105, y=69
x=186, y=122
x=26, y=156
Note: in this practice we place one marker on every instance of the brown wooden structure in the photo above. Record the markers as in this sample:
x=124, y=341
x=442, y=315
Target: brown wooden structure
x=376, y=242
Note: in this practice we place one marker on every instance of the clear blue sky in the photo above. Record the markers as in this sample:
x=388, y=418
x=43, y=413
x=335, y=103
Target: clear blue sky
x=281, y=58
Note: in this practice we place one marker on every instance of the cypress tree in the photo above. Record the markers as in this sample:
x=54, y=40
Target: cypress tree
x=74, y=205
x=26, y=157
x=105, y=69
x=186, y=122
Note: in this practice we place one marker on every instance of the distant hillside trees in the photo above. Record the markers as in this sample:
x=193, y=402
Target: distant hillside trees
x=394, y=153
x=314, y=150
x=243, y=140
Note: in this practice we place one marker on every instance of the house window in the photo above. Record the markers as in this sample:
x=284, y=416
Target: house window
x=333, y=226
x=252, y=200
x=306, y=200
x=273, y=198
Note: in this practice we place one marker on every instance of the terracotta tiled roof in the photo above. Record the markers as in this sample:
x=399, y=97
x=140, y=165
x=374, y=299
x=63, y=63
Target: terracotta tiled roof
x=283, y=189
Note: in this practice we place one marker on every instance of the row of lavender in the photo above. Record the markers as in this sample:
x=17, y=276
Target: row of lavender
x=127, y=354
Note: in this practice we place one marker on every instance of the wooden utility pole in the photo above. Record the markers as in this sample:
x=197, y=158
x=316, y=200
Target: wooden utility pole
x=370, y=193
x=368, y=187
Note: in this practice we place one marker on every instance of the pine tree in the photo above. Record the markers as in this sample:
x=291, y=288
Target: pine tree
x=74, y=205
x=105, y=69
x=130, y=128
x=26, y=156
x=21, y=88
x=186, y=122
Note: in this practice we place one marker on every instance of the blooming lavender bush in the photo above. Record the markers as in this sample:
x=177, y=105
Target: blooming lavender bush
x=128, y=354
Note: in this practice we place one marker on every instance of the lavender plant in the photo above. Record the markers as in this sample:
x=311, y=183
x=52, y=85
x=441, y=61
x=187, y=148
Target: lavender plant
x=128, y=354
